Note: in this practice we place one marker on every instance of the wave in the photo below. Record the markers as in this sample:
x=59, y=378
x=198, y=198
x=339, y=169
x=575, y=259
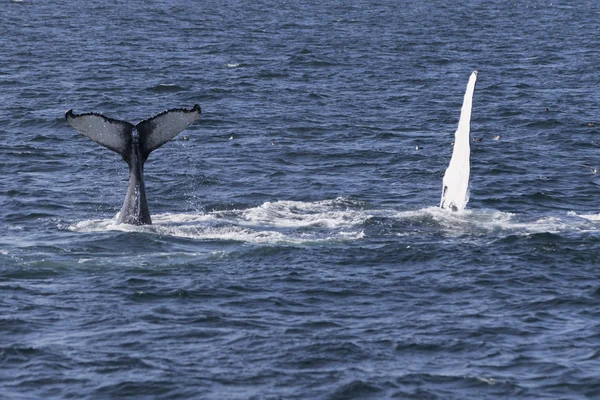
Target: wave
x=589, y=217
x=166, y=88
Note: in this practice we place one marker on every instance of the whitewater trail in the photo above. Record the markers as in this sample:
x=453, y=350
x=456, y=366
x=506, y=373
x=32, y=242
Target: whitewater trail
x=272, y=222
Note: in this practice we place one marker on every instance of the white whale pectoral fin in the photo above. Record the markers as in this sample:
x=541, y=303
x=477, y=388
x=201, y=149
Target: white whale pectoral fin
x=158, y=130
x=456, y=179
x=443, y=200
x=109, y=132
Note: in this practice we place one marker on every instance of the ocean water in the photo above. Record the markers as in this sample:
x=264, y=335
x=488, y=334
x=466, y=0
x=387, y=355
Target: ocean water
x=297, y=251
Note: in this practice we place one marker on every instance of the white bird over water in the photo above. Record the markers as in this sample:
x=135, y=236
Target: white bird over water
x=592, y=170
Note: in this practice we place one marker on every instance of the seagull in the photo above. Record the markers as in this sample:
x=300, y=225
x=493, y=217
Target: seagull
x=496, y=137
x=592, y=170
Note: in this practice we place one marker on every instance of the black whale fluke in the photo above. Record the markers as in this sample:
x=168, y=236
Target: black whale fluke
x=134, y=143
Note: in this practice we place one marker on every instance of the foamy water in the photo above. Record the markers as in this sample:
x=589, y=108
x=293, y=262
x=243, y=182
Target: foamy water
x=487, y=222
x=276, y=222
x=297, y=222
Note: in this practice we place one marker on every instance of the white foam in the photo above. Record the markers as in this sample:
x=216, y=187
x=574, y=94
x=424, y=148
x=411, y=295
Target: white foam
x=338, y=220
x=299, y=214
x=276, y=222
x=487, y=221
x=461, y=222
x=589, y=217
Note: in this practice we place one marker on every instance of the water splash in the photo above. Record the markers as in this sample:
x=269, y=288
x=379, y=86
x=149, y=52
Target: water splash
x=340, y=220
x=490, y=223
x=272, y=222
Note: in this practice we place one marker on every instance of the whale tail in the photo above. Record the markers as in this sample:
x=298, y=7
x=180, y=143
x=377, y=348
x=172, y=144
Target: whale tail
x=134, y=143
x=119, y=135
x=455, y=185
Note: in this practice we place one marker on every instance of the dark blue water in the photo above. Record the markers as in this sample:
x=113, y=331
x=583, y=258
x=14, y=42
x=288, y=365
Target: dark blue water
x=297, y=251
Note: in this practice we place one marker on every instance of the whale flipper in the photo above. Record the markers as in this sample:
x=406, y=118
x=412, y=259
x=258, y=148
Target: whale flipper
x=455, y=185
x=109, y=132
x=158, y=130
x=134, y=143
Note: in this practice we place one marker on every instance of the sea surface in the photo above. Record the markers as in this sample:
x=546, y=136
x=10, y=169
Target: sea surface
x=298, y=250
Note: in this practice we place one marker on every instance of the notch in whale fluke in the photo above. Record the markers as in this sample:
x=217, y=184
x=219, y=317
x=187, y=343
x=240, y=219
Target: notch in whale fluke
x=455, y=185
x=117, y=135
x=134, y=143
